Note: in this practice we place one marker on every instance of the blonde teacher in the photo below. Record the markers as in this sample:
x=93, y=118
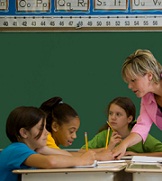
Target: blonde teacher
x=143, y=74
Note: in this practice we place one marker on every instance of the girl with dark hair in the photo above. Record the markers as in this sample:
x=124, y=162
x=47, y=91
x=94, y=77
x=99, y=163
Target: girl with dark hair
x=121, y=117
x=26, y=130
x=62, y=122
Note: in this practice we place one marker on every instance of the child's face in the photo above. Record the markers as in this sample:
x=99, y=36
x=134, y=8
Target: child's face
x=31, y=139
x=66, y=133
x=118, y=118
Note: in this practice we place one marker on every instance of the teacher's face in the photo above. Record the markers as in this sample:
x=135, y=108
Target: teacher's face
x=140, y=85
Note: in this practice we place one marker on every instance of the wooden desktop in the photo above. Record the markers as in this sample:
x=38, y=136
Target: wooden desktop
x=112, y=172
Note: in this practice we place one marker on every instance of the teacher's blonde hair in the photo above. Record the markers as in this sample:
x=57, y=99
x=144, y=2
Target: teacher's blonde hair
x=140, y=63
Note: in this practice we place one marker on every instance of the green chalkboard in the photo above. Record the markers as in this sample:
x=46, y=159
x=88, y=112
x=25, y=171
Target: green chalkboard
x=84, y=68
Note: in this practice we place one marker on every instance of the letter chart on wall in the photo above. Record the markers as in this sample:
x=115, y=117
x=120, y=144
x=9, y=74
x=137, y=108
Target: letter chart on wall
x=80, y=15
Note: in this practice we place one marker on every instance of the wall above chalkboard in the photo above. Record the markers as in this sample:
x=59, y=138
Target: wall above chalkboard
x=80, y=15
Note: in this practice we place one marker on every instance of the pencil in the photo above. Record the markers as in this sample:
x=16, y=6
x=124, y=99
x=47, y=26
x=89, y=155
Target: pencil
x=107, y=138
x=86, y=140
x=109, y=125
x=108, y=133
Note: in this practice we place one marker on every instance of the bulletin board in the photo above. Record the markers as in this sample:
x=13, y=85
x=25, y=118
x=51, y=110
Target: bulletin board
x=78, y=15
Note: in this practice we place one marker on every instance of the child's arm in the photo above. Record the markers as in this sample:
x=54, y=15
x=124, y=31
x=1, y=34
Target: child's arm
x=59, y=161
x=104, y=155
x=95, y=150
x=50, y=151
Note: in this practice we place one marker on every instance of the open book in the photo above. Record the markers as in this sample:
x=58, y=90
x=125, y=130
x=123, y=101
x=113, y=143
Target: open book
x=146, y=159
x=88, y=166
x=111, y=163
x=96, y=163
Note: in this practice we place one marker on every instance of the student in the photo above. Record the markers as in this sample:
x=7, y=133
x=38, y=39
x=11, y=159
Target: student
x=121, y=117
x=143, y=73
x=63, y=123
x=26, y=130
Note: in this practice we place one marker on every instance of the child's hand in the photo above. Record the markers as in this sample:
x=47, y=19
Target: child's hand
x=130, y=153
x=104, y=155
x=115, y=139
x=87, y=158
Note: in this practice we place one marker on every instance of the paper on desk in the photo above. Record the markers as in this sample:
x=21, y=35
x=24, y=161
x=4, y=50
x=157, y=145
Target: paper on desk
x=88, y=166
x=147, y=159
x=110, y=161
x=126, y=157
x=111, y=164
x=101, y=163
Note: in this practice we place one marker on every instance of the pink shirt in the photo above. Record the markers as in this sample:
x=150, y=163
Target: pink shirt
x=149, y=113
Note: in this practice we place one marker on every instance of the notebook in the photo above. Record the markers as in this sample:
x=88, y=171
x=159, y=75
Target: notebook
x=110, y=163
x=147, y=159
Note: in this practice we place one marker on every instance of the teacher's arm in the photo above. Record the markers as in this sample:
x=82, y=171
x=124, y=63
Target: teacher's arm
x=120, y=150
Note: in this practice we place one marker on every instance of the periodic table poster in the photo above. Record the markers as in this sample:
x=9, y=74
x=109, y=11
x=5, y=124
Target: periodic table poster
x=80, y=15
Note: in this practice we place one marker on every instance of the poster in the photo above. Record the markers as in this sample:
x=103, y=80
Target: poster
x=76, y=15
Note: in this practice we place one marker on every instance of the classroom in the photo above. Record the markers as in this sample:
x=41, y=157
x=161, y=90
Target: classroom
x=74, y=49
x=46, y=55
x=83, y=68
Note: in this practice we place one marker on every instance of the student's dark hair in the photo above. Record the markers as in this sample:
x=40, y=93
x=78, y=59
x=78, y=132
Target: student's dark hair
x=126, y=104
x=57, y=111
x=23, y=117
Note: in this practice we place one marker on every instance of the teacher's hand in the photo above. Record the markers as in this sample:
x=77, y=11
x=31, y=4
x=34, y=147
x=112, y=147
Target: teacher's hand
x=119, y=151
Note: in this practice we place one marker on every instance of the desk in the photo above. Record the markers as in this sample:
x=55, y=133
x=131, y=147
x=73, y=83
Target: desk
x=111, y=173
x=145, y=172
